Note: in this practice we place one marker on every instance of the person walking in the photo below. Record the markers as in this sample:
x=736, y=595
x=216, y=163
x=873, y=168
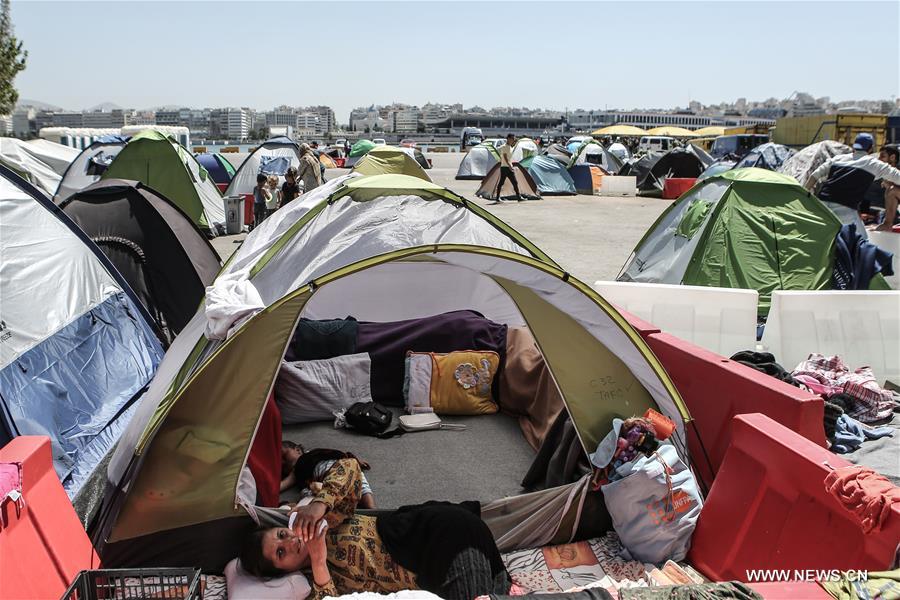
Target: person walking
x=846, y=177
x=506, y=168
x=309, y=170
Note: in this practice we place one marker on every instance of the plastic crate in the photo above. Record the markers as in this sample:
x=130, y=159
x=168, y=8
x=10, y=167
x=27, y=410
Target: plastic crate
x=136, y=584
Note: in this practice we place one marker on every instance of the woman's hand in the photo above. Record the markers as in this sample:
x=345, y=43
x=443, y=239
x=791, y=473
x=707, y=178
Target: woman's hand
x=307, y=520
x=318, y=556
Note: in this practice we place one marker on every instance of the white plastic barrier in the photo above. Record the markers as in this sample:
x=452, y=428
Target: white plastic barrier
x=887, y=240
x=615, y=185
x=862, y=327
x=722, y=320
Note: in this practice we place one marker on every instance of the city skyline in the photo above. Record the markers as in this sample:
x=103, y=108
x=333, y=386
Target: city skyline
x=361, y=60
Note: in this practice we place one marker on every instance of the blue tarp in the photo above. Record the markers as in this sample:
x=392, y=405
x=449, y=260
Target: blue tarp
x=73, y=384
x=550, y=176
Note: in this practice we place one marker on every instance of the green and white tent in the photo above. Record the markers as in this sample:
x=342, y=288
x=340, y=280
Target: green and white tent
x=744, y=228
x=380, y=248
x=478, y=162
x=161, y=163
x=592, y=152
x=386, y=160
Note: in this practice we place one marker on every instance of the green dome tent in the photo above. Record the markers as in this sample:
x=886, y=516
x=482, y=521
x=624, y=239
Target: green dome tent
x=383, y=160
x=744, y=228
x=162, y=164
x=357, y=151
x=432, y=251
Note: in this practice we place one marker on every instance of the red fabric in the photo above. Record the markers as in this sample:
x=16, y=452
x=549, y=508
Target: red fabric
x=265, y=455
x=865, y=493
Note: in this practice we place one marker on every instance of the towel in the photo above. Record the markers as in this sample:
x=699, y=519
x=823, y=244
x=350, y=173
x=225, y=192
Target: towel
x=863, y=492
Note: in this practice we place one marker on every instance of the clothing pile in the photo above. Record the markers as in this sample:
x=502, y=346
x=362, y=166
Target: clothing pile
x=636, y=436
x=764, y=362
x=852, y=399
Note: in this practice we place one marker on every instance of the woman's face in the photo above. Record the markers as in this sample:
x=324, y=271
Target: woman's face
x=285, y=550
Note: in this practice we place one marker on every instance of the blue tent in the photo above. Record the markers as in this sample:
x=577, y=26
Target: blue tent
x=217, y=166
x=550, y=175
x=78, y=349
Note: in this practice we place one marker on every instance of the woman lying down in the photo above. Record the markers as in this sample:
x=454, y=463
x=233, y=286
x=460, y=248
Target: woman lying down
x=440, y=547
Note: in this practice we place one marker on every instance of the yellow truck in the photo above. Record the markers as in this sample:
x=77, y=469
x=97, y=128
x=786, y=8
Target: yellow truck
x=798, y=132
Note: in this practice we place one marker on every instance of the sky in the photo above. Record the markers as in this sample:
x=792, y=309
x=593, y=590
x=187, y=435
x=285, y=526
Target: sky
x=551, y=54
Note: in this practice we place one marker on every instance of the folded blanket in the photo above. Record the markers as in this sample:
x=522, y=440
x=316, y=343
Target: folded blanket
x=863, y=492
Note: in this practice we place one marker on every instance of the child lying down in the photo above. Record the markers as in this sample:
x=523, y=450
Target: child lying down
x=306, y=470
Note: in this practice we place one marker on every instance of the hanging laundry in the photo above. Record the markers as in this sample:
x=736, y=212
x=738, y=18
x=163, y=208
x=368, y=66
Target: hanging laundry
x=829, y=376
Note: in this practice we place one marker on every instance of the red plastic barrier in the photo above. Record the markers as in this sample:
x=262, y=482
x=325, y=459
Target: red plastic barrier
x=43, y=546
x=673, y=187
x=248, y=209
x=768, y=509
x=339, y=162
x=222, y=187
x=716, y=389
x=643, y=327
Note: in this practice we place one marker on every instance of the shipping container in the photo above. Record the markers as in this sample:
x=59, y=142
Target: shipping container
x=798, y=132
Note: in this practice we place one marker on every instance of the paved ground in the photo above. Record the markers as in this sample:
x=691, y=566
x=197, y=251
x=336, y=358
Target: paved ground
x=589, y=236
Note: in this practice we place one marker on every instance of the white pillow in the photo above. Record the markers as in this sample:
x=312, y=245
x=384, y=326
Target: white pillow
x=311, y=390
x=243, y=586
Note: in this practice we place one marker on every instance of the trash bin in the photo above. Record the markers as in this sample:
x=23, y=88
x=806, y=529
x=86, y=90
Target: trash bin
x=234, y=215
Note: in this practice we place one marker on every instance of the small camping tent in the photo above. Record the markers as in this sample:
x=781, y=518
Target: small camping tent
x=78, y=348
x=478, y=161
x=620, y=151
x=524, y=148
x=558, y=152
x=800, y=165
x=550, y=175
x=42, y=164
x=527, y=186
x=327, y=161
x=157, y=248
x=592, y=152
x=416, y=155
x=587, y=178
x=652, y=169
x=89, y=165
x=357, y=151
x=746, y=228
x=382, y=160
x=766, y=156
x=167, y=498
x=162, y=164
x=218, y=167
x=717, y=168
x=273, y=157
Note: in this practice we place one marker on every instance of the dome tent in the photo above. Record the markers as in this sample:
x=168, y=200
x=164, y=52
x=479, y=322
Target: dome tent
x=218, y=167
x=357, y=151
x=162, y=164
x=550, y=175
x=652, y=169
x=765, y=156
x=593, y=153
x=524, y=148
x=273, y=157
x=480, y=264
x=527, y=186
x=89, y=166
x=745, y=228
x=801, y=164
x=39, y=162
x=477, y=162
x=166, y=260
x=383, y=160
x=78, y=348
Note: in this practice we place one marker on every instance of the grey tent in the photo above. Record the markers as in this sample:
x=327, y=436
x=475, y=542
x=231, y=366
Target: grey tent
x=652, y=169
x=592, y=152
x=478, y=162
x=89, y=166
x=159, y=251
x=766, y=156
x=527, y=187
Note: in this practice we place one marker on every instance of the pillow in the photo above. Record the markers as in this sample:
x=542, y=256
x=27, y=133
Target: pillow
x=456, y=383
x=311, y=390
x=243, y=586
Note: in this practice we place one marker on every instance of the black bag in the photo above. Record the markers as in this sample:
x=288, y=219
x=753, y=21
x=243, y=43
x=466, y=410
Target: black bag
x=369, y=418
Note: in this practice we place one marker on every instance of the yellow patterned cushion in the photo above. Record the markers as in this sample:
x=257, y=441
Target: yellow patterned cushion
x=456, y=383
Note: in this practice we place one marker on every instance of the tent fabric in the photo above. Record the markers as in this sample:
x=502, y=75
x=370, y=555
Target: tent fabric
x=217, y=166
x=652, y=169
x=527, y=186
x=801, y=164
x=89, y=166
x=477, y=162
x=746, y=228
x=162, y=164
x=77, y=347
x=42, y=164
x=550, y=176
x=766, y=156
x=274, y=156
x=717, y=168
x=594, y=153
x=384, y=160
x=587, y=178
x=159, y=251
x=361, y=148
x=559, y=152
x=327, y=161
x=524, y=148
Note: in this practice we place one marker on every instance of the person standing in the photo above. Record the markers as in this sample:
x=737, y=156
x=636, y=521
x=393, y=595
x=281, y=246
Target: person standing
x=318, y=153
x=889, y=155
x=289, y=189
x=506, y=167
x=309, y=171
x=261, y=197
x=846, y=177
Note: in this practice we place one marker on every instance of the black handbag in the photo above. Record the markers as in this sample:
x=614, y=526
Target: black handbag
x=369, y=418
